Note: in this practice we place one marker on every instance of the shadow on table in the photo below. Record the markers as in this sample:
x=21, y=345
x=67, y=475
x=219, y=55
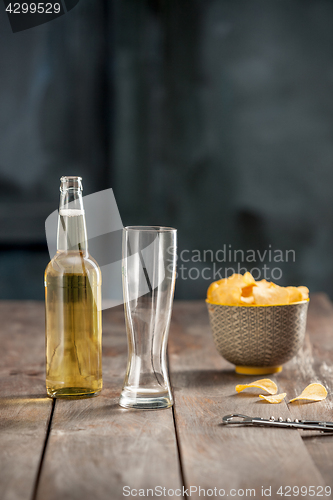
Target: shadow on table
x=202, y=378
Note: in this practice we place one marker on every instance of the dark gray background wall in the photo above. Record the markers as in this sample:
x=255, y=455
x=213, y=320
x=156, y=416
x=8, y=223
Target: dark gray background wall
x=215, y=117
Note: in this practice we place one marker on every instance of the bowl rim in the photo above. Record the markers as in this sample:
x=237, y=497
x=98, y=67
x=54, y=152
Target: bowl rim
x=258, y=305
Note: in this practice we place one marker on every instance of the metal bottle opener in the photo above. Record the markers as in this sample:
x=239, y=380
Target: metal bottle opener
x=308, y=425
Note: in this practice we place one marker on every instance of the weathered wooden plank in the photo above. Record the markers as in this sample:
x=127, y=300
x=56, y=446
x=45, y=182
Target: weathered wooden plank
x=24, y=407
x=96, y=448
x=222, y=457
x=314, y=363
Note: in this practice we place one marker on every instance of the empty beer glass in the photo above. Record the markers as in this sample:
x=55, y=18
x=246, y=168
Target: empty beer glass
x=149, y=273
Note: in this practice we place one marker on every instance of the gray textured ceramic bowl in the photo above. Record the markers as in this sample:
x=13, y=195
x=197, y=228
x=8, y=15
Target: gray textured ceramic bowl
x=258, y=339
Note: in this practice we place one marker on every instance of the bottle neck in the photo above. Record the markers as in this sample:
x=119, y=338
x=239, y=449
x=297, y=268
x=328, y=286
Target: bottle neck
x=72, y=231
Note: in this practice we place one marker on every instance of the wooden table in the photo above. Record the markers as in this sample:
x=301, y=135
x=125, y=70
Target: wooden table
x=91, y=449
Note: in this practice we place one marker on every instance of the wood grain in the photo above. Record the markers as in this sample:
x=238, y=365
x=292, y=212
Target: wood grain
x=96, y=448
x=314, y=363
x=227, y=457
x=24, y=407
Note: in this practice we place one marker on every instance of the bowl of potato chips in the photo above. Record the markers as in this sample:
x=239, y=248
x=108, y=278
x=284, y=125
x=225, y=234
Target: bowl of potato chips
x=257, y=325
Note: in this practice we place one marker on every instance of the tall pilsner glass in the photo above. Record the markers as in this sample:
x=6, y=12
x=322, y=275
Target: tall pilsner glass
x=149, y=273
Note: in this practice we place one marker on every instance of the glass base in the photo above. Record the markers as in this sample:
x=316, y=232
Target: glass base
x=72, y=393
x=257, y=370
x=145, y=400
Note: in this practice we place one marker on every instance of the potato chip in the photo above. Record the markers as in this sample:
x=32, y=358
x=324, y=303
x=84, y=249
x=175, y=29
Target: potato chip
x=247, y=291
x=313, y=392
x=229, y=296
x=270, y=295
x=243, y=290
x=213, y=286
x=295, y=295
x=277, y=398
x=304, y=291
x=265, y=383
x=235, y=280
x=235, y=277
x=248, y=279
x=263, y=283
x=247, y=300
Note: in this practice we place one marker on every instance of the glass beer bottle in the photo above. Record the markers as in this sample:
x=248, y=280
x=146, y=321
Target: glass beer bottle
x=73, y=304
